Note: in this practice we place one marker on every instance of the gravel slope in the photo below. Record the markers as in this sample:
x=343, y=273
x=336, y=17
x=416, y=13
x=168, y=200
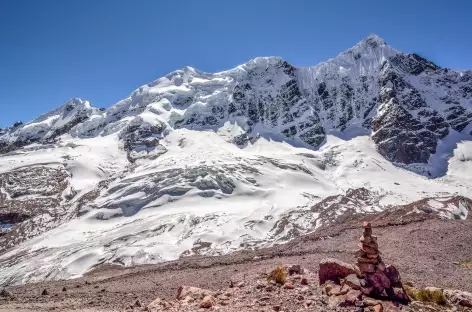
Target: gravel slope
x=426, y=251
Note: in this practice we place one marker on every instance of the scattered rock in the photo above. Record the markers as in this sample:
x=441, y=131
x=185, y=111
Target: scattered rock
x=193, y=292
x=138, y=303
x=335, y=290
x=295, y=269
x=336, y=301
x=207, y=302
x=45, y=292
x=289, y=286
x=64, y=288
x=157, y=305
x=459, y=297
x=304, y=281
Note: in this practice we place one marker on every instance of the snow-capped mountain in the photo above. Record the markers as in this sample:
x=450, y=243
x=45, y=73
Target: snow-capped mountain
x=200, y=163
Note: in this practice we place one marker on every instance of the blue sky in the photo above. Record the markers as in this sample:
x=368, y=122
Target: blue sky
x=101, y=50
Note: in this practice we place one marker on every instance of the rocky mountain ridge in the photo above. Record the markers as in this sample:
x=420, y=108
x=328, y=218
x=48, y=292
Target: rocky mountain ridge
x=407, y=102
x=206, y=164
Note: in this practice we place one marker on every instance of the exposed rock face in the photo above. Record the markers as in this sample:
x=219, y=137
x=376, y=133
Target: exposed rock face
x=46, y=128
x=30, y=201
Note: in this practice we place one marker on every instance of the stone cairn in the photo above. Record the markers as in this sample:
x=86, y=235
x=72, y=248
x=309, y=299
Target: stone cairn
x=374, y=275
x=369, y=278
x=368, y=256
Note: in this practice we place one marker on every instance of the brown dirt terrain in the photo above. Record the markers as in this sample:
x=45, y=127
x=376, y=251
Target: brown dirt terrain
x=426, y=251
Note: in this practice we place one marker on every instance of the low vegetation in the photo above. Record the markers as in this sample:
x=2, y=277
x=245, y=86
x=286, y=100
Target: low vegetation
x=427, y=295
x=278, y=275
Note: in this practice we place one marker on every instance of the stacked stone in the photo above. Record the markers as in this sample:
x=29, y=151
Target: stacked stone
x=368, y=256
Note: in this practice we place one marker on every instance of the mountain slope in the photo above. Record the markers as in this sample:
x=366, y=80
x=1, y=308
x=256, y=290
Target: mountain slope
x=199, y=163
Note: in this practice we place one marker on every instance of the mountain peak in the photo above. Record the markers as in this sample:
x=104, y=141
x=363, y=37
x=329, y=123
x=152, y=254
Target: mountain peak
x=371, y=43
x=374, y=38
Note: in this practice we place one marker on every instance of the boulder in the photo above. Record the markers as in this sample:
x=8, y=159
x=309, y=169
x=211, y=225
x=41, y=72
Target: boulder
x=207, y=302
x=295, y=269
x=334, y=270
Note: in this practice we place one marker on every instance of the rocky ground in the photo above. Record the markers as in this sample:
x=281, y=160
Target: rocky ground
x=426, y=252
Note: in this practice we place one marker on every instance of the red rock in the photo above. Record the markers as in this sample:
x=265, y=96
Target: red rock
x=366, y=267
x=381, y=266
x=378, y=280
x=392, y=273
x=334, y=270
x=289, y=286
